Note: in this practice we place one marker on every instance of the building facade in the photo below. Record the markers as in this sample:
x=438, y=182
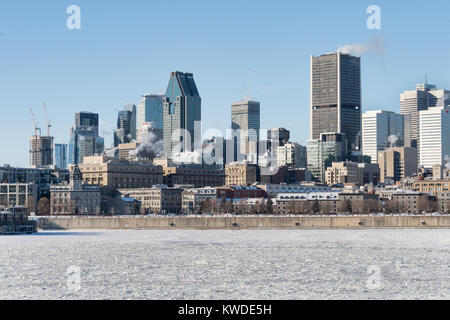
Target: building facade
x=336, y=97
x=104, y=171
x=60, y=156
x=182, y=110
x=245, y=123
x=397, y=164
x=331, y=147
x=159, y=199
x=241, y=174
x=425, y=96
x=41, y=151
x=344, y=173
x=84, y=138
x=19, y=194
x=75, y=197
x=150, y=111
x=292, y=155
x=434, y=137
x=381, y=130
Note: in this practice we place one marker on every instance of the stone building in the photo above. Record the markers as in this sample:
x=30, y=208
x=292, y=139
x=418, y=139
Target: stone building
x=343, y=173
x=75, y=197
x=115, y=173
x=159, y=199
x=241, y=174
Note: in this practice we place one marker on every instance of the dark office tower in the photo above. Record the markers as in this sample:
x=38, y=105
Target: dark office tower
x=126, y=126
x=87, y=122
x=133, y=119
x=182, y=108
x=336, y=97
x=84, y=139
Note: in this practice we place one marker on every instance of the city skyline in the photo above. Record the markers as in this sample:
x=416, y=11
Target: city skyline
x=62, y=82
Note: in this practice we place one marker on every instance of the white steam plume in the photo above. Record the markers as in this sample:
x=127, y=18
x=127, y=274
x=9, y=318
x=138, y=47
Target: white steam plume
x=393, y=139
x=376, y=45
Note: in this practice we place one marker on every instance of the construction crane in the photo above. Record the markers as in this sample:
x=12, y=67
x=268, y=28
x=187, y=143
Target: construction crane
x=35, y=124
x=48, y=122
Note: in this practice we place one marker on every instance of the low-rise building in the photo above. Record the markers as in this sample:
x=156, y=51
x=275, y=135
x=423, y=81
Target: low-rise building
x=307, y=203
x=241, y=174
x=19, y=194
x=344, y=173
x=192, y=199
x=159, y=199
x=75, y=197
x=115, y=173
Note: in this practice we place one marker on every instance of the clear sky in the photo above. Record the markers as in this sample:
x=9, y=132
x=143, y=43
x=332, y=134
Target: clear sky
x=128, y=48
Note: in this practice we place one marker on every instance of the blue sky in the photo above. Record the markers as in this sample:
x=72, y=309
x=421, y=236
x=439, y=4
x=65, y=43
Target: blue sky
x=128, y=48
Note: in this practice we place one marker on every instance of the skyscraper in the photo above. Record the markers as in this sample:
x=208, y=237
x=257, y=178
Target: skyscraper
x=133, y=119
x=381, y=130
x=245, y=117
x=84, y=139
x=413, y=101
x=41, y=151
x=126, y=125
x=434, y=137
x=336, y=97
x=60, y=156
x=182, y=109
x=150, y=110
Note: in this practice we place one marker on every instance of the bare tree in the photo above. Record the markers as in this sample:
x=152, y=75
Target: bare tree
x=44, y=206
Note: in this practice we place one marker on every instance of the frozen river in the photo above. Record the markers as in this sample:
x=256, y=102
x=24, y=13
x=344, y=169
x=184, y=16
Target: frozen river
x=297, y=264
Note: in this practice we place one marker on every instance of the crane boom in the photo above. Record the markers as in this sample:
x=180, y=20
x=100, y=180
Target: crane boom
x=48, y=122
x=34, y=122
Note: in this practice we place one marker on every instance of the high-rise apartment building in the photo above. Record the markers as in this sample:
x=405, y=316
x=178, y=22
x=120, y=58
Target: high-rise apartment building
x=413, y=101
x=434, y=137
x=381, y=130
x=60, y=156
x=182, y=110
x=336, y=97
x=245, y=123
x=84, y=138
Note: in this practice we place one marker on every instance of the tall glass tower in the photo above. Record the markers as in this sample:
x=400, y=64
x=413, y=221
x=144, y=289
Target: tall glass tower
x=336, y=97
x=181, y=108
x=84, y=139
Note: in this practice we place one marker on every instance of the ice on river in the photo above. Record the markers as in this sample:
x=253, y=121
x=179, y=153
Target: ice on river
x=248, y=264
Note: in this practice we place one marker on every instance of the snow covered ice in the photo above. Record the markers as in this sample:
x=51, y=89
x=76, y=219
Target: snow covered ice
x=247, y=264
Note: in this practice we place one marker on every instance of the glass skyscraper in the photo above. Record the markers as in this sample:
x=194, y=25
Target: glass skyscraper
x=126, y=125
x=181, y=108
x=84, y=139
x=336, y=97
x=60, y=156
x=150, y=110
